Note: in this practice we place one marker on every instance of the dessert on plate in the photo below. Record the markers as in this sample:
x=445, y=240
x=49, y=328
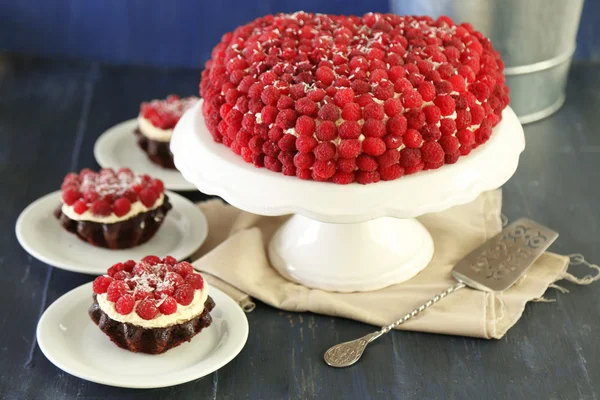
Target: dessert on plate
x=116, y=210
x=151, y=306
x=156, y=121
x=353, y=99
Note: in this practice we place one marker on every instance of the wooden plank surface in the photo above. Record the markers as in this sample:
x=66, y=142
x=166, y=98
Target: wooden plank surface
x=51, y=113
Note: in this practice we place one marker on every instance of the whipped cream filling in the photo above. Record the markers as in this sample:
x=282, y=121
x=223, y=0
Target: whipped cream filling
x=152, y=132
x=183, y=313
x=136, y=208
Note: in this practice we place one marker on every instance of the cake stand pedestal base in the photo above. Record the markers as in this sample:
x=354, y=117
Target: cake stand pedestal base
x=350, y=257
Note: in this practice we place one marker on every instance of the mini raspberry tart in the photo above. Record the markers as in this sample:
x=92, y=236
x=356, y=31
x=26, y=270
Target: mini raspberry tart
x=116, y=210
x=353, y=99
x=151, y=306
x=156, y=121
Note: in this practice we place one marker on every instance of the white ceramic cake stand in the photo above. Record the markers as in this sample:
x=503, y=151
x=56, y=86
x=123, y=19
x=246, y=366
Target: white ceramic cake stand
x=353, y=237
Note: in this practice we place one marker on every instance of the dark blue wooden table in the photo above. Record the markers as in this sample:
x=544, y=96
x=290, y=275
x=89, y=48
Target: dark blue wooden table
x=51, y=113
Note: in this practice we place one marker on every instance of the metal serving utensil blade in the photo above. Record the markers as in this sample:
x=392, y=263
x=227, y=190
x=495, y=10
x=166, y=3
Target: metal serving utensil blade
x=495, y=266
x=501, y=261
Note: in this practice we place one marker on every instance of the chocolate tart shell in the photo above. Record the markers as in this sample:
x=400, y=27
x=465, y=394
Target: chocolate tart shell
x=120, y=235
x=158, y=152
x=150, y=340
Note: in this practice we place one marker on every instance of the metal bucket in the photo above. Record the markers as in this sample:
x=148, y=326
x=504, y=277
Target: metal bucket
x=535, y=37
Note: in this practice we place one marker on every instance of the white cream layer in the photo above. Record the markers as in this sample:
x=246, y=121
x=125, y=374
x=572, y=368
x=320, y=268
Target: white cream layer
x=136, y=208
x=183, y=313
x=152, y=132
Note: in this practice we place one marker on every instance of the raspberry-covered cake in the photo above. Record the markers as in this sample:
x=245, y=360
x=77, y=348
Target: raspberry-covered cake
x=353, y=99
x=151, y=306
x=117, y=210
x=156, y=121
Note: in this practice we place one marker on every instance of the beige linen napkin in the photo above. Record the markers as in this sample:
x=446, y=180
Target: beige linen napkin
x=235, y=252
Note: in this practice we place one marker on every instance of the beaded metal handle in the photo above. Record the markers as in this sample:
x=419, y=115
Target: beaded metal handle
x=347, y=353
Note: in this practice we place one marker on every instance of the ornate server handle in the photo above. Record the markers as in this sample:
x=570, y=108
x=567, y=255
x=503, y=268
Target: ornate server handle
x=347, y=353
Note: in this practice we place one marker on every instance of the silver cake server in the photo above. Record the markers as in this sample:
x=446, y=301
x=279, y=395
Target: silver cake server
x=494, y=267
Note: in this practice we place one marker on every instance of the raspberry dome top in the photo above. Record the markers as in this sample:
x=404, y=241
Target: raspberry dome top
x=166, y=113
x=152, y=286
x=108, y=192
x=344, y=99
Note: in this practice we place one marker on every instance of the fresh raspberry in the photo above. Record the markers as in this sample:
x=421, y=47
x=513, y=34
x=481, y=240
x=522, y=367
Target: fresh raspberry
x=305, y=125
x=397, y=125
x=343, y=96
x=70, y=196
x=374, y=111
x=432, y=152
x=427, y=91
x=174, y=278
x=184, y=294
x=343, y=178
x=148, y=197
x=329, y=112
x=450, y=144
x=392, y=141
x=121, y=206
x=304, y=160
x=366, y=177
x=324, y=169
x=415, y=119
x=435, y=165
x=451, y=158
x=445, y=103
x=183, y=268
x=458, y=83
x=392, y=107
x=316, y=95
x=412, y=138
x=378, y=75
x=463, y=119
x=115, y=290
x=383, y=90
x=306, y=144
x=151, y=260
x=270, y=95
x=432, y=114
x=306, y=106
x=447, y=126
x=158, y=185
x=285, y=102
x=122, y=275
x=349, y=148
x=325, y=75
x=352, y=112
x=366, y=162
x=287, y=142
x=80, y=207
x=411, y=99
x=414, y=169
x=392, y=172
x=480, y=90
x=141, y=293
x=326, y=129
x=125, y=304
x=168, y=306
x=388, y=158
x=324, y=151
x=465, y=137
x=286, y=119
x=101, y=284
x=374, y=128
x=304, y=174
x=396, y=72
x=346, y=165
x=430, y=132
x=101, y=208
x=163, y=290
x=409, y=157
x=195, y=280
x=147, y=309
x=374, y=146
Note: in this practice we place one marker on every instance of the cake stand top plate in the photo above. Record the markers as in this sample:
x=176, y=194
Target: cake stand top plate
x=216, y=170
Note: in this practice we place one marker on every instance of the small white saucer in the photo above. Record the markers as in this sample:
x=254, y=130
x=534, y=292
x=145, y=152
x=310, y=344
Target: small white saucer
x=117, y=147
x=71, y=341
x=183, y=231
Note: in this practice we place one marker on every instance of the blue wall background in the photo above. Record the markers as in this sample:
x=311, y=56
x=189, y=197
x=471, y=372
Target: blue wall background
x=176, y=33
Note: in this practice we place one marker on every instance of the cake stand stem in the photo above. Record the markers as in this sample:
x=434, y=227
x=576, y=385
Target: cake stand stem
x=350, y=257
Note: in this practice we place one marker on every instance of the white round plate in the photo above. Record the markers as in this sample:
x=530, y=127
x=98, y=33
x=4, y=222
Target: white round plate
x=117, y=147
x=183, y=231
x=71, y=341
x=215, y=169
